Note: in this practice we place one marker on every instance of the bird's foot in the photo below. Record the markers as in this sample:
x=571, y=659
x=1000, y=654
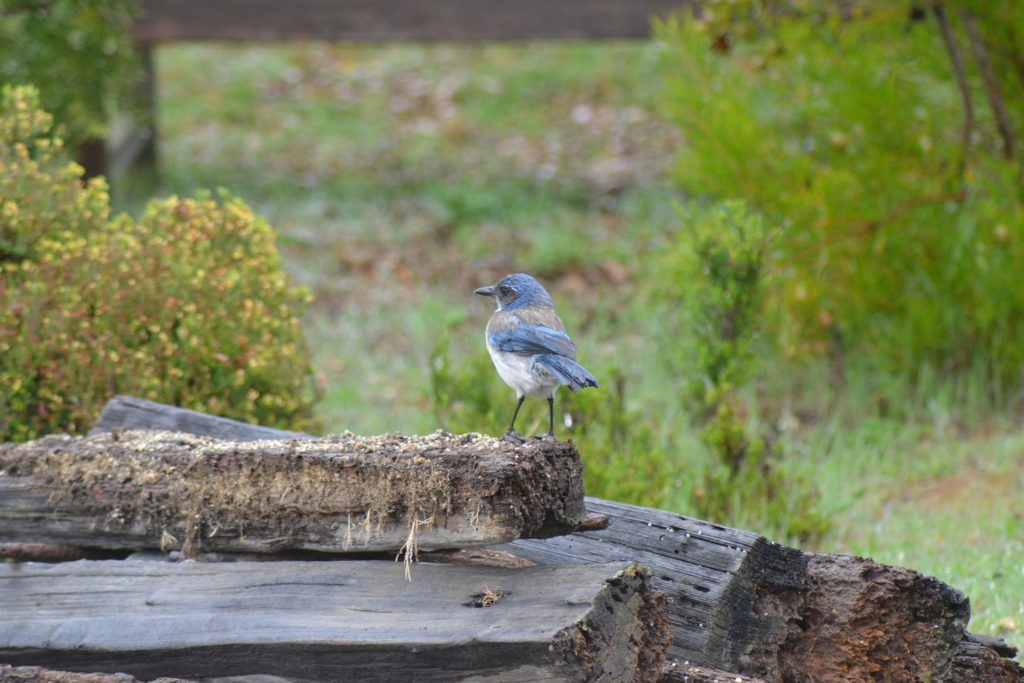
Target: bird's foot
x=512, y=437
x=546, y=436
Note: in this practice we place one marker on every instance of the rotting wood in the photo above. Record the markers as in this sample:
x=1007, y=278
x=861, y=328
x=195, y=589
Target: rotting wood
x=729, y=590
x=685, y=672
x=738, y=602
x=138, y=489
x=350, y=620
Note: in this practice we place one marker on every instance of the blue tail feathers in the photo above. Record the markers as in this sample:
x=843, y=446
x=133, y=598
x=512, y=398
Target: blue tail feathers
x=567, y=371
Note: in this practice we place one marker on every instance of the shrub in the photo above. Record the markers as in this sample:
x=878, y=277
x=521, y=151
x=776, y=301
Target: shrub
x=845, y=124
x=79, y=54
x=716, y=272
x=187, y=305
x=41, y=191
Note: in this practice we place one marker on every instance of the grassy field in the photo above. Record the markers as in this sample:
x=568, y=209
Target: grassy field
x=402, y=178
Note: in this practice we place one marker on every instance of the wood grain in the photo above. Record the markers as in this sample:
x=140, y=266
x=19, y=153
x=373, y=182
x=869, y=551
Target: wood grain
x=350, y=620
x=716, y=578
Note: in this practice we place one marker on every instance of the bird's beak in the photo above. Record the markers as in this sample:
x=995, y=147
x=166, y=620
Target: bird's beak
x=485, y=291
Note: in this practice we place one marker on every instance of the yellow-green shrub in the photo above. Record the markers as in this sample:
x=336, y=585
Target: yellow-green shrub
x=186, y=305
x=41, y=190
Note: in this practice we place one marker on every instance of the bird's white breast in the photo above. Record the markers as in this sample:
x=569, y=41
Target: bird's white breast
x=515, y=369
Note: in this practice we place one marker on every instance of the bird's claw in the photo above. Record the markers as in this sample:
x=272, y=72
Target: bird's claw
x=546, y=436
x=512, y=437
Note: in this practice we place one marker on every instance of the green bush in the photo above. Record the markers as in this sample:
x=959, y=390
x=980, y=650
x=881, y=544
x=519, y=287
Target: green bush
x=79, y=54
x=41, y=192
x=900, y=243
x=715, y=273
x=187, y=305
x=622, y=458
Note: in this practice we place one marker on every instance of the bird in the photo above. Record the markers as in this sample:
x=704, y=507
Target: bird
x=529, y=346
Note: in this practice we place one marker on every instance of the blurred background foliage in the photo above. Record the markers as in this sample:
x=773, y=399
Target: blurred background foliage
x=845, y=124
x=786, y=236
x=78, y=53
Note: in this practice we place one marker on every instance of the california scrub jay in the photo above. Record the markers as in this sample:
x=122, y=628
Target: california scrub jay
x=529, y=346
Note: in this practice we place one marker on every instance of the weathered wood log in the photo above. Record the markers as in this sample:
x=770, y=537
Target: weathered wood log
x=725, y=586
x=740, y=603
x=137, y=489
x=350, y=620
x=36, y=674
x=127, y=412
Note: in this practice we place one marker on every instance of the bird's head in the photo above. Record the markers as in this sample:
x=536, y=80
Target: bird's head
x=517, y=290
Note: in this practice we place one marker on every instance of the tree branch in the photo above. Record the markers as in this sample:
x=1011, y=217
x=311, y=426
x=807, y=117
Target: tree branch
x=992, y=89
x=961, y=81
x=1013, y=53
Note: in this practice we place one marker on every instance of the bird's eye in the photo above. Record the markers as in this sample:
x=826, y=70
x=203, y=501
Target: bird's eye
x=504, y=291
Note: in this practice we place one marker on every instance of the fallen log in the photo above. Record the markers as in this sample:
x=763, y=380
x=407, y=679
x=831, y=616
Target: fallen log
x=137, y=489
x=349, y=620
x=741, y=603
x=728, y=589
x=128, y=412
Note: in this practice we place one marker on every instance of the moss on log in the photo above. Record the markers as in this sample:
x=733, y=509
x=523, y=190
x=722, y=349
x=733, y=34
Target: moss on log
x=139, y=489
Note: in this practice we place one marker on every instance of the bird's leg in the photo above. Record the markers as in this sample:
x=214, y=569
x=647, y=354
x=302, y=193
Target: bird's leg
x=510, y=434
x=550, y=436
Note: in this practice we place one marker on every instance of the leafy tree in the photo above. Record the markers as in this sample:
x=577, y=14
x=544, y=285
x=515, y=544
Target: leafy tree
x=77, y=52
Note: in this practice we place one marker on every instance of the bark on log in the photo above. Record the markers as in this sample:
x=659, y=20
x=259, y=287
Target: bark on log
x=345, y=493
x=349, y=620
x=740, y=603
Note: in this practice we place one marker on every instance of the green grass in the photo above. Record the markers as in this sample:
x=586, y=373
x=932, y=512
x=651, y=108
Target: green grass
x=401, y=178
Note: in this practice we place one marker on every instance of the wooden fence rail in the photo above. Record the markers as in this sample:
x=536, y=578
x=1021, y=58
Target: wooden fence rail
x=363, y=21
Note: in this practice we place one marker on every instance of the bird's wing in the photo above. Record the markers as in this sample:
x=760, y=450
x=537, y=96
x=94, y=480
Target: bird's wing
x=532, y=339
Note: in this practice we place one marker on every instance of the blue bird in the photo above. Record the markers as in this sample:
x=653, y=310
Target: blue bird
x=529, y=346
